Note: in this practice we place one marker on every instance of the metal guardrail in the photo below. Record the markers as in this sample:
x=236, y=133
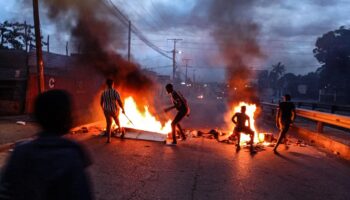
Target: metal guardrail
x=319, y=117
x=330, y=107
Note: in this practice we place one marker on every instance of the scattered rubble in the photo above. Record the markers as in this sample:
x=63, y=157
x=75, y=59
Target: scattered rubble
x=81, y=130
x=21, y=123
x=269, y=137
x=300, y=143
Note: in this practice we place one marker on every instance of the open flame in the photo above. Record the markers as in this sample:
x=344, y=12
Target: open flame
x=251, y=108
x=142, y=120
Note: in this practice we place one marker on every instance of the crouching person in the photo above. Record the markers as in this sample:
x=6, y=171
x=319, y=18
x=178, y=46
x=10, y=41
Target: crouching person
x=240, y=119
x=50, y=166
x=183, y=109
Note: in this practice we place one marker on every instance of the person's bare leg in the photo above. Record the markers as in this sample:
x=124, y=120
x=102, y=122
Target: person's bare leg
x=281, y=136
x=108, y=129
x=173, y=132
x=117, y=122
x=238, y=140
x=183, y=136
x=252, y=142
x=174, y=124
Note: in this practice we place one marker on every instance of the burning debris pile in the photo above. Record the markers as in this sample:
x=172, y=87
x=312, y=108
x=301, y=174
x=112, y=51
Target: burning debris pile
x=228, y=137
x=98, y=38
x=145, y=120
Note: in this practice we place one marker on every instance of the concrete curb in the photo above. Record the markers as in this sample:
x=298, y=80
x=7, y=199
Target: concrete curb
x=8, y=146
x=336, y=147
x=86, y=125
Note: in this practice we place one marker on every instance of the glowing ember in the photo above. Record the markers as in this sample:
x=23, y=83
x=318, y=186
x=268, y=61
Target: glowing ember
x=251, y=108
x=142, y=120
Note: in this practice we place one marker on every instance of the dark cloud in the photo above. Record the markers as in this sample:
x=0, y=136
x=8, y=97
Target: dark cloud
x=273, y=19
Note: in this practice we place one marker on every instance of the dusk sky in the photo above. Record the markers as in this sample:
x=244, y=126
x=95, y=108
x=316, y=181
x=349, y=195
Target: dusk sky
x=287, y=31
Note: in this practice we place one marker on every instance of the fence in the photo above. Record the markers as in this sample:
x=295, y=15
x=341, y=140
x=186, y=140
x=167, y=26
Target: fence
x=320, y=117
x=328, y=107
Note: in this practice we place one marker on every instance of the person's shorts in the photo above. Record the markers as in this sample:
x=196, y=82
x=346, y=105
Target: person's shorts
x=245, y=130
x=179, y=116
x=112, y=114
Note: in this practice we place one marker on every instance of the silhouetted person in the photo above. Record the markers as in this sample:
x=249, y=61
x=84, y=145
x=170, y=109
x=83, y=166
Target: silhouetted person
x=284, y=118
x=49, y=167
x=109, y=99
x=181, y=105
x=240, y=119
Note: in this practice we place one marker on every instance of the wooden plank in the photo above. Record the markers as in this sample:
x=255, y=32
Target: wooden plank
x=144, y=135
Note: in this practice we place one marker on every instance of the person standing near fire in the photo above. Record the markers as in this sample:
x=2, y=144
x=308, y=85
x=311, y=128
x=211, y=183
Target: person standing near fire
x=181, y=105
x=109, y=99
x=240, y=119
x=284, y=118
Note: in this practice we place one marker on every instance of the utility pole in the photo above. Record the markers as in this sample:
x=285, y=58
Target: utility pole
x=39, y=53
x=174, y=57
x=67, y=48
x=26, y=35
x=194, y=75
x=129, y=41
x=48, y=43
x=186, y=60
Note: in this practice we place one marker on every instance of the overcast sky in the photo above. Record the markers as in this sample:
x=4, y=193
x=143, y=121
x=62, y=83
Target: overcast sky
x=288, y=30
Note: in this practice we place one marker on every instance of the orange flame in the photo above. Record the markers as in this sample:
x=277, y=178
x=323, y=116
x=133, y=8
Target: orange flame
x=142, y=120
x=251, y=108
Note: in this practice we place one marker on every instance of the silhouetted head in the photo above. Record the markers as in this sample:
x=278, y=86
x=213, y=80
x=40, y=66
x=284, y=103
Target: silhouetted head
x=169, y=88
x=53, y=111
x=109, y=83
x=286, y=97
x=243, y=109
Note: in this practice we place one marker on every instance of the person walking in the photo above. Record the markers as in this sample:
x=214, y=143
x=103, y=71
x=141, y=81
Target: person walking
x=284, y=118
x=109, y=99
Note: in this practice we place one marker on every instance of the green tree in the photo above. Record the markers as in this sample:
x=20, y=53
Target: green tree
x=311, y=80
x=275, y=74
x=17, y=36
x=278, y=69
x=333, y=52
x=288, y=84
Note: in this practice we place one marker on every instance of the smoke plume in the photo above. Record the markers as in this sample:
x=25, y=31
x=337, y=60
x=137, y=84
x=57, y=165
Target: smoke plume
x=232, y=26
x=98, y=34
x=235, y=32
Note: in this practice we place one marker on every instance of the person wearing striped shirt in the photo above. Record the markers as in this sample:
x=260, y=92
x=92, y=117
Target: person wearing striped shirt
x=181, y=105
x=109, y=100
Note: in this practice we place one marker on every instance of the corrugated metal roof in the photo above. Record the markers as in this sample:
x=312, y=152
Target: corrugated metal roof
x=51, y=60
x=13, y=59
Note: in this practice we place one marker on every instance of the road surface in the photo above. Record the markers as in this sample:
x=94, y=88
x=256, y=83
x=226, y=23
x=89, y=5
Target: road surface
x=201, y=168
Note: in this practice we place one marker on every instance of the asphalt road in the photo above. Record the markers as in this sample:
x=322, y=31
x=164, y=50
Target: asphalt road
x=201, y=168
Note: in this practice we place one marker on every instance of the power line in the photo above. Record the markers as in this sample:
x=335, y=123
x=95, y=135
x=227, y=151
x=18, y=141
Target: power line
x=174, y=55
x=159, y=67
x=125, y=20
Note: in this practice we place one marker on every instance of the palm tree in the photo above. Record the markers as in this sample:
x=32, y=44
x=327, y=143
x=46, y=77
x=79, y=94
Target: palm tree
x=278, y=69
x=275, y=74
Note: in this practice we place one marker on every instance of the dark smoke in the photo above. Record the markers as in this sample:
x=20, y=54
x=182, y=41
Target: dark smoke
x=98, y=34
x=235, y=31
x=231, y=24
